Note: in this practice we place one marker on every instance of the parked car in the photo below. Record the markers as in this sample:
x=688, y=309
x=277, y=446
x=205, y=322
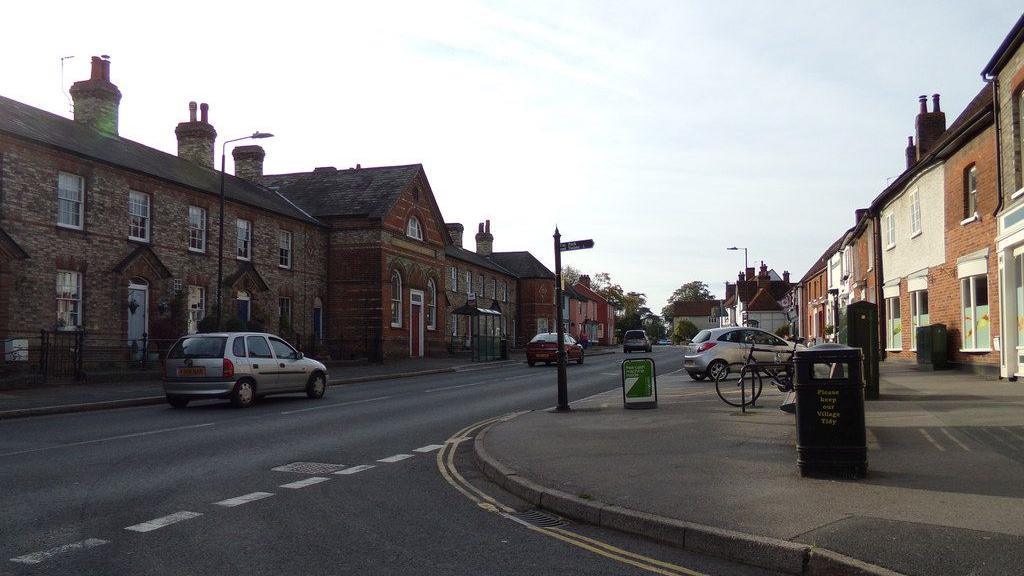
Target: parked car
x=240, y=366
x=713, y=350
x=664, y=342
x=634, y=340
x=544, y=348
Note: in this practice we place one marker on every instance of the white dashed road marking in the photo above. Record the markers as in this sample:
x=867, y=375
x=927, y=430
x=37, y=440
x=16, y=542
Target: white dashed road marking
x=428, y=448
x=157, y=523
x=928, y=436
x=239, y=500
x=955, y=440
x=395, y=458
x=338, y=405
x=108, y=439
x=355, y=469
x=306, y=482
x=37, y=557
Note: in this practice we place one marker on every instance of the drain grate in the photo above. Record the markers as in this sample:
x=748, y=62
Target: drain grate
x=539, y=518
x=309, y=468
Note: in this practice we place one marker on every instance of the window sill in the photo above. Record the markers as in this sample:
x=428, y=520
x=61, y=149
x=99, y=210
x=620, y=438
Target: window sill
x=196, y=251
x=243, y=259
x=975, y=350
x=70, y=227
x=916, y=234
x=894, y=349
x=393, y=325
x=890, y=247
x=1017, y=194
x=284, y=267
x=967, y=221
x=138, y=240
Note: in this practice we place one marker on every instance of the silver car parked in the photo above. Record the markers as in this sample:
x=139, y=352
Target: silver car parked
x=238, y=365
x=712, y=351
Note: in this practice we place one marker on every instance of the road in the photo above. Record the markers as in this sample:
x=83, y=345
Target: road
x=153, y=490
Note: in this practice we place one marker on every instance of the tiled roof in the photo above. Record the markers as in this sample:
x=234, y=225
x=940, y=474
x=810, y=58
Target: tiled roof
x=27, y=122
x=822, y=261
x=694, y=307
x=474, y=258
x=364, y=192
x=763, y=301
x=522, y=264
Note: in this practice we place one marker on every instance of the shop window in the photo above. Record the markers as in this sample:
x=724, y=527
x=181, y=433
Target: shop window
x=918, y=314
x=894, y=327
x=976, y=324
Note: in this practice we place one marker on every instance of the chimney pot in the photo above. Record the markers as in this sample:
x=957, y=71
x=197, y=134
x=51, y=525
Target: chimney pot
x=935, y=103
x=924, y=103
x=105, y=65
x=930, y=126
x=487, y=226
x=97, y=68
x=192, y=111
x=204, y=112
x=196, y=138
x=484, y=240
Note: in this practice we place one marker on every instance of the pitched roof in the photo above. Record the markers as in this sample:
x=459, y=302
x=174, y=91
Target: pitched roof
x=822, y=261
x=572, y=293
x=590, y=293
x=363, y=192
x=1006, y=49
x=763, y=301
x=29, y=123
x=522, y=264
x=458, y=253
x=700, y=308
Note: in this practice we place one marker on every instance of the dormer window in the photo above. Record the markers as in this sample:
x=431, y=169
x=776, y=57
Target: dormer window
x=413, y=229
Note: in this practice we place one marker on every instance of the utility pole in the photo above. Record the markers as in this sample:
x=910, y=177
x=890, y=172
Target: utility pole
x=563, y=384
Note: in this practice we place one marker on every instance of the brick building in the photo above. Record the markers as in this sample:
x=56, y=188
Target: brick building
x=701, y=313
x=535, y=286
x=813, y=297
x=767, y=288
x=107, y=235
x=600, y=318
x=386, y=242
x=472, y=277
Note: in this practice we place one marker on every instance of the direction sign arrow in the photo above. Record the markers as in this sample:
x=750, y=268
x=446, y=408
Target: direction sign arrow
x=576, y=245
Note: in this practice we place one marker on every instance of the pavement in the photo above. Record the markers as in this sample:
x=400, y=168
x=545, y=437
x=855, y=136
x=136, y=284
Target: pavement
x=103, y=395
x=944, y=492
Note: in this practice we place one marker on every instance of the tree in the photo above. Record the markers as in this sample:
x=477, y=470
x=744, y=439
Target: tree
x=782, y=331
x=654, y=327
x=685, y=330
x=694, y=291
x=571, y=275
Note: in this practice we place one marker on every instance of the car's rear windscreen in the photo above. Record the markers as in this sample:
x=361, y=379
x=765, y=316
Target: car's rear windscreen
x=636, y=334
x=701, y=336
x=198, y=347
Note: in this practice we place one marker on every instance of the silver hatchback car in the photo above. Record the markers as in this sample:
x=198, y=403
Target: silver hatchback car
x=712, y=351
x=238, y=365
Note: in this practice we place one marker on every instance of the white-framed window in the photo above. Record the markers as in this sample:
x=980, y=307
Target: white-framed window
x=494, y=288
x=542, y=325
x=504, y=292
x=483, y=286
x=69, y=300
x=890, y=230
x=469, y=282
x=918, y=314
x=453, y=325
x=971, y=192
x=284, y=249
x=453, y=283
x=196, y=229
x=196, y=307
x=871, y=245
x=396, y=299
x=138, y=216
x=893, y=324
x=974, y=302
x=70, y=200
x=284, y=311
x=915, y=212
x=431, y=305
x=413, y=229
x=243, y=239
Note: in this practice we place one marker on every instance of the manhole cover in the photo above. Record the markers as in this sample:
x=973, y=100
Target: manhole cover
x=540, y=518
x=309, y=468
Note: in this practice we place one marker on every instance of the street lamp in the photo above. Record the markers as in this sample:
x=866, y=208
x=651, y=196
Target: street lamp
x=220, y=232
x=745, y=264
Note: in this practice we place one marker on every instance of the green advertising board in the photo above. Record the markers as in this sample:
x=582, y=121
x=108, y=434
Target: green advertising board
x=639, y=383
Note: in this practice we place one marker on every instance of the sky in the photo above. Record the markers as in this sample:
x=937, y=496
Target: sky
x=666, y=131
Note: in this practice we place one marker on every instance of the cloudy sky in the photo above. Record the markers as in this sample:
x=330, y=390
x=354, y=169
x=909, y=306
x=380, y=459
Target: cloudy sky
x=666, y=131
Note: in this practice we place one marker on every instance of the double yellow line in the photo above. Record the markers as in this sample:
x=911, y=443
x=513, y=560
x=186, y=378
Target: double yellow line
x=446, y=466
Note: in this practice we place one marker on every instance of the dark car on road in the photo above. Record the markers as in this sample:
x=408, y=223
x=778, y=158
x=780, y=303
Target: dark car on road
x=635, y=341
x=544, y=348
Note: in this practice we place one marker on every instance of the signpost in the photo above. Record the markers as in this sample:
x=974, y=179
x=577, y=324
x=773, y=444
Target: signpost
x=639, y=383
x=563, y=387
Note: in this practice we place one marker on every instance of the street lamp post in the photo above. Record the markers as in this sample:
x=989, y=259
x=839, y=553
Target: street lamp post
x=745, y=263
x=220, y=228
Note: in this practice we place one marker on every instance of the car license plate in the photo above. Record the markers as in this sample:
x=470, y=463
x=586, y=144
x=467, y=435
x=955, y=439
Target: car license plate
x=192, y=371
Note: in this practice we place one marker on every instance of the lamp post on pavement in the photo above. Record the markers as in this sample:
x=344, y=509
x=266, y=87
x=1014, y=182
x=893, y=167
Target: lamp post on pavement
x=220, y=230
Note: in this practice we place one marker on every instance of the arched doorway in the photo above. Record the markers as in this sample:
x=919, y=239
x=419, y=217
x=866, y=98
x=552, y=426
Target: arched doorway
x=138, y=315
x=318, y=321
x=243, y=307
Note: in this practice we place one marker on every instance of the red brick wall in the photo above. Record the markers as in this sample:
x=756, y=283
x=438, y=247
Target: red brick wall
x=536, y=299
x=814, y=289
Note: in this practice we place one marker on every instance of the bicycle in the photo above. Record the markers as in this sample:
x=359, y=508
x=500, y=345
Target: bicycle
x=751, y=375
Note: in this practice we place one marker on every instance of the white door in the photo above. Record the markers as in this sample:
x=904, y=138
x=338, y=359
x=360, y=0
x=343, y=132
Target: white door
x=415, y=323
x=138, y=321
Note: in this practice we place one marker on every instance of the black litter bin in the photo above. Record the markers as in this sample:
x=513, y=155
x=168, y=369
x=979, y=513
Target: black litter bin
x=831, y=439
x=504, y=348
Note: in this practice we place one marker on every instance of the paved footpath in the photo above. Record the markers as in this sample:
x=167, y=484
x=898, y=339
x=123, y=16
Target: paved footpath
x=944, y=495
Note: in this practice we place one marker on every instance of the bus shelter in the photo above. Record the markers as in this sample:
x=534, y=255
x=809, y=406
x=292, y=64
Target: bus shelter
x=484, y=332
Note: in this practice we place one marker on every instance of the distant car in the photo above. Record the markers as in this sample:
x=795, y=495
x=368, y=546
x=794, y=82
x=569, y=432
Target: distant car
x=635, y=340
x=240, y=366
x=544, y=348
x=664, y=342
x=712, y=351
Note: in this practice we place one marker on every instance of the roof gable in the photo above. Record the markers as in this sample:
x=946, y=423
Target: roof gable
x=355, y=192
x=763, y=301
x=523, y=265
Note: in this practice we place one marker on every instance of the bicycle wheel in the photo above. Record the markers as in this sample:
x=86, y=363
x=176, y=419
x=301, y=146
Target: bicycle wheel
x=740, y=387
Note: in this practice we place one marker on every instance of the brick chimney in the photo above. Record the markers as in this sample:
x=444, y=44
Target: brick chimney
x=930, y=125
x=249, y=162
x=585, y=280
x=740, y=278
x=750, y=273
x=785, y=276
x=911, y=152
x=484, y=240
x=455, y=230
x=196, y=137
x=763, y=271
x=97, y=99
